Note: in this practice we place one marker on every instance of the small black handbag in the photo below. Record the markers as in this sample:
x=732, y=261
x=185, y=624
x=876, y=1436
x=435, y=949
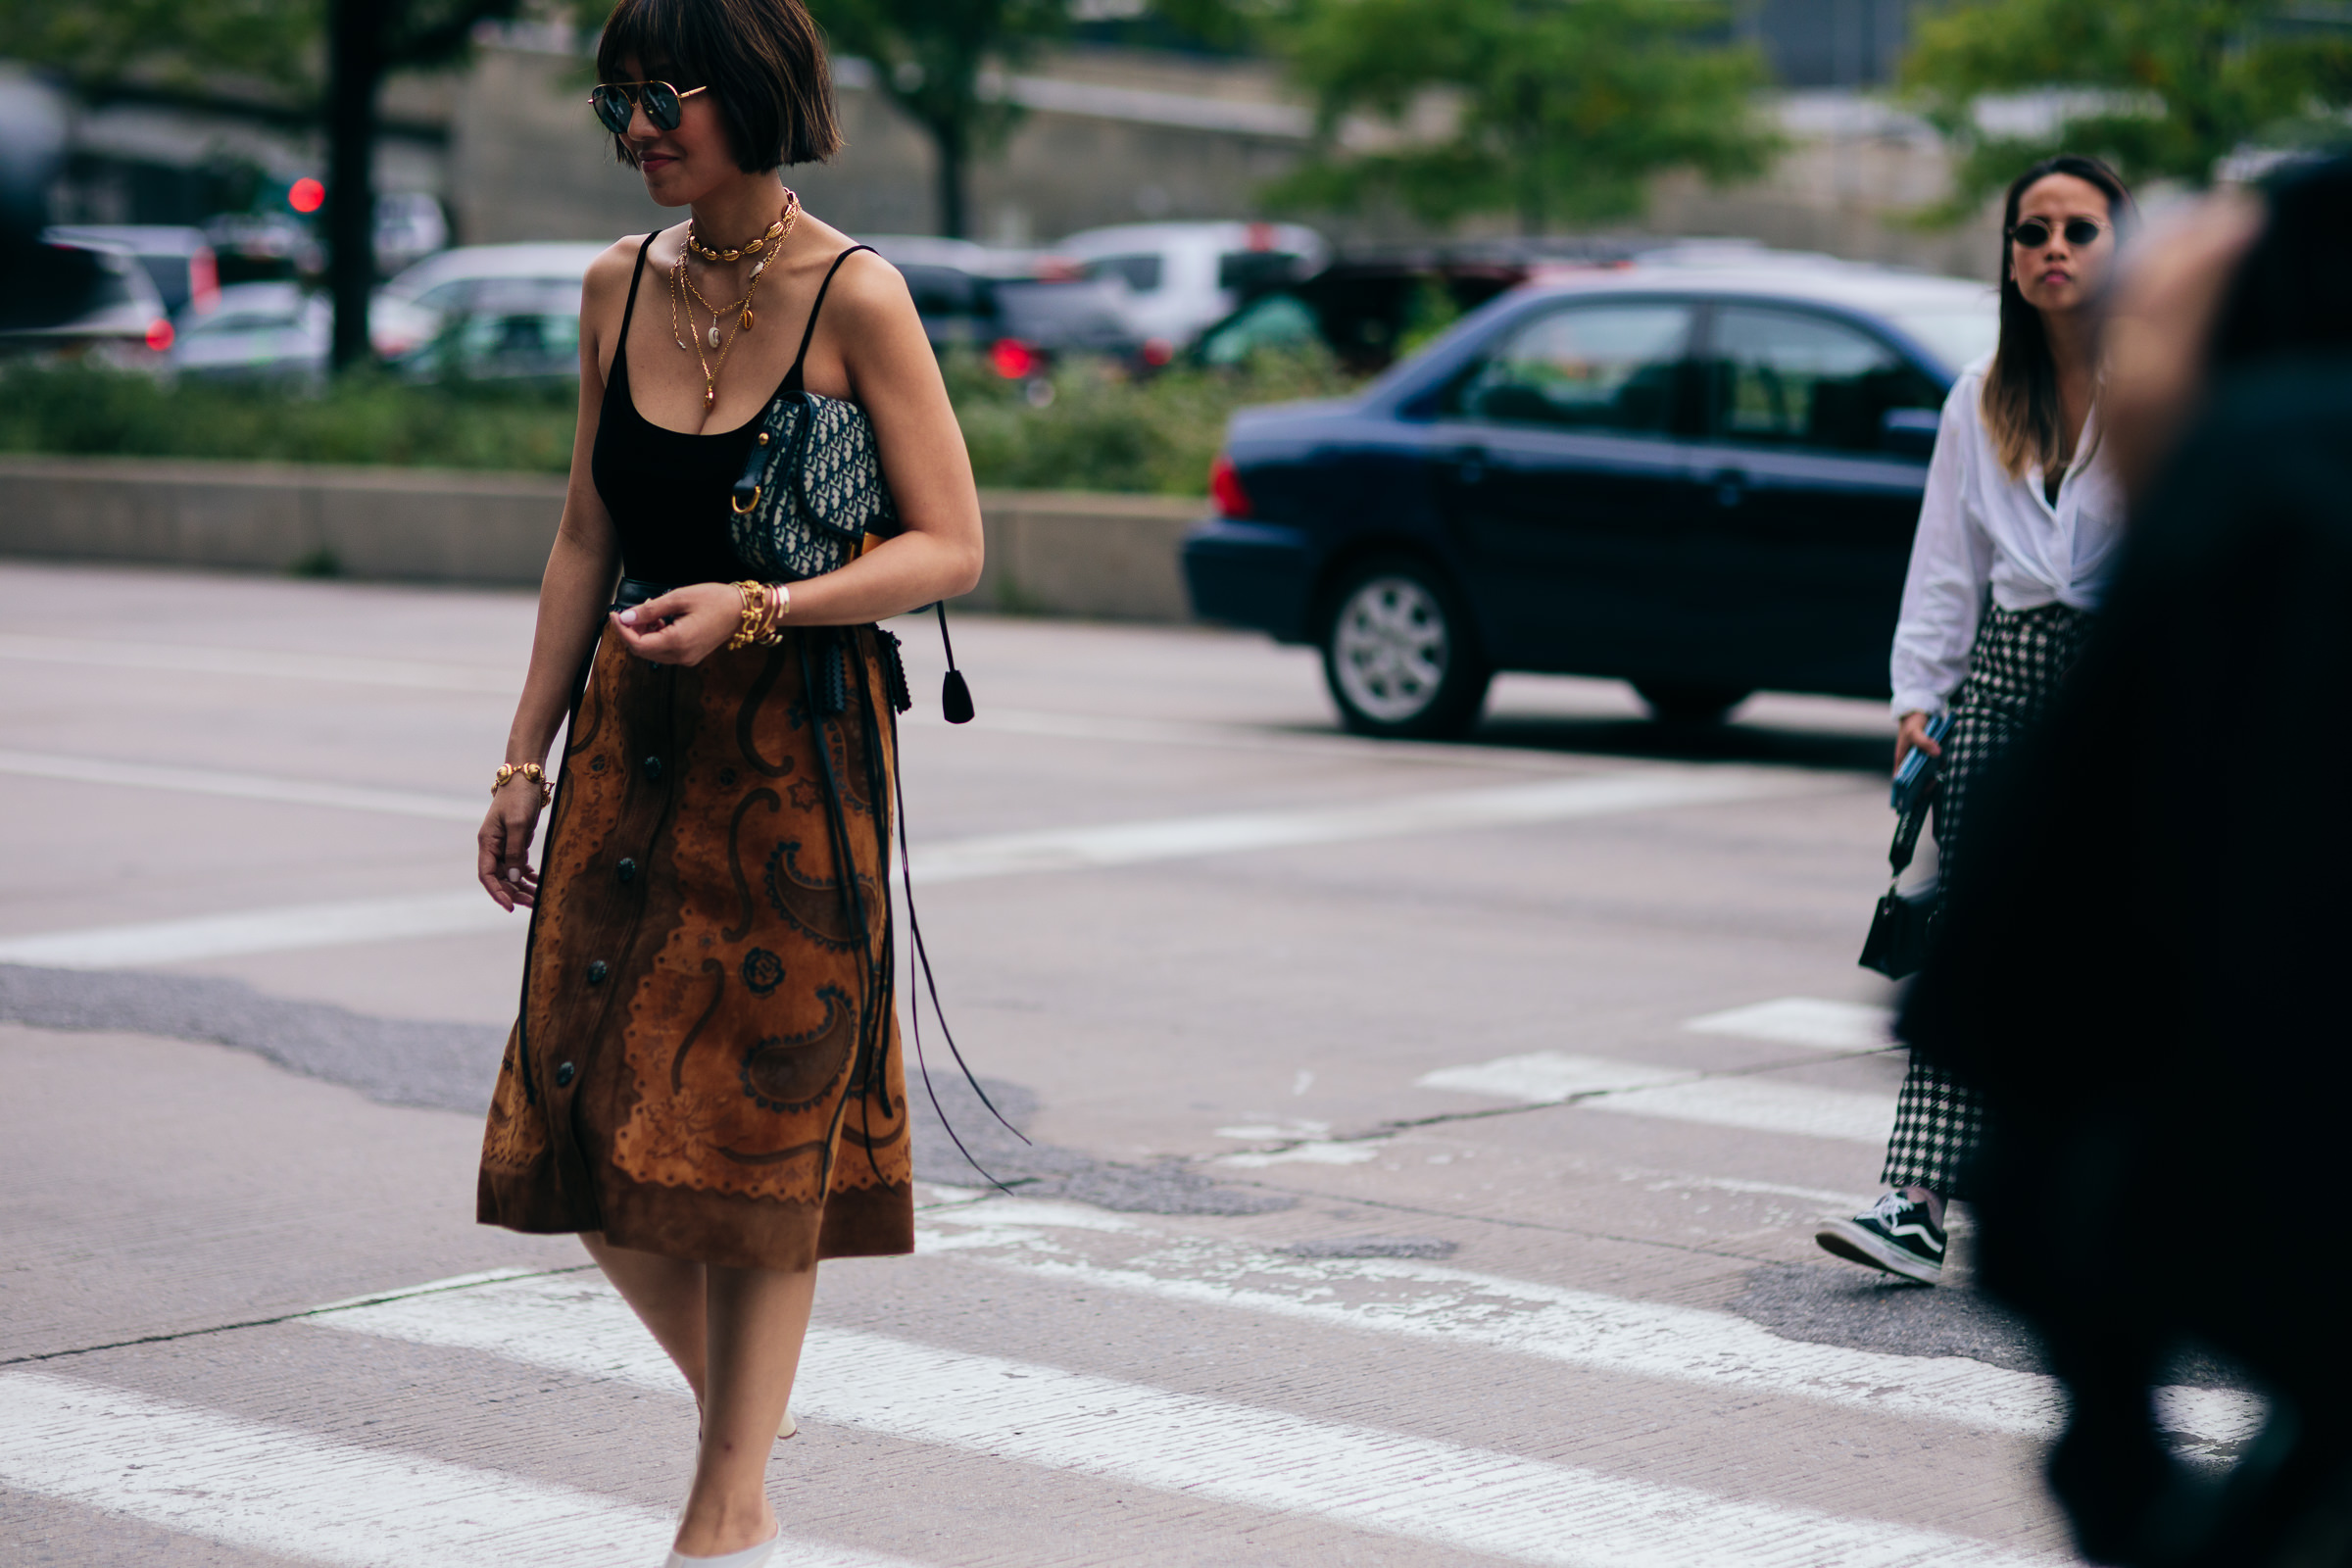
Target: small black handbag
x=1903, y=929
x=811, y=491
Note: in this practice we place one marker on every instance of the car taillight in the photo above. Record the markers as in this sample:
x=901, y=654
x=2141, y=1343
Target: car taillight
x=204, y=282
x=1014, y=360
x=1225, y=489
x=159, y=334
x=1157, y=351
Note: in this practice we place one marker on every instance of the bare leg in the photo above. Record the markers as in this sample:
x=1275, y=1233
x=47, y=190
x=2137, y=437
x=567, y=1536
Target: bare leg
x=756, y=1320
x=667, y=1294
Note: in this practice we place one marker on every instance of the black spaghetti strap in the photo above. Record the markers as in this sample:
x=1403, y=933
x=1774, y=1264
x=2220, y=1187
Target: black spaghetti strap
x=792, y=377
x=630, y=309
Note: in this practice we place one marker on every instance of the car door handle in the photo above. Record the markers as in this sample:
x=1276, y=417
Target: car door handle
x=1729, y=486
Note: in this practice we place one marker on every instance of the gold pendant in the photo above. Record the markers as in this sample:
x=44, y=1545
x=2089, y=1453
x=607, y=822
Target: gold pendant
x=709, y=393
x=714, y=335
x=747, y=318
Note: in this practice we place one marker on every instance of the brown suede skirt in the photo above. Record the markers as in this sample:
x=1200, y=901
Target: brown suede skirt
x=707, y=1060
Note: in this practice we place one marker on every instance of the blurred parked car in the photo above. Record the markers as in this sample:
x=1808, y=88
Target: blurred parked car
x=263, y=248
x=177, y=258
x=73, y=300
x=448, y=281
x=506, y=328
x=1172, y=280
x=278, y=332
x=1021, y=307
x=409, y=226
x=1702, y=479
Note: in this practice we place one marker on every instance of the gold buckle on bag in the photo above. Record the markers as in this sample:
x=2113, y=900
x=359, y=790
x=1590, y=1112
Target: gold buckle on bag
x=740, y=508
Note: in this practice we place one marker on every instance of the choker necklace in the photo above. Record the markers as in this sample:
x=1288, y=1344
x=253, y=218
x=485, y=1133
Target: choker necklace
x=764, y=246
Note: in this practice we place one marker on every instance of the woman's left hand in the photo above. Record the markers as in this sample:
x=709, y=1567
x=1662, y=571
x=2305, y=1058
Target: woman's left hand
x=683, y=626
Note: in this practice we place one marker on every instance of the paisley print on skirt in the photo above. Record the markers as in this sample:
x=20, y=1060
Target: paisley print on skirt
x=706, y=1061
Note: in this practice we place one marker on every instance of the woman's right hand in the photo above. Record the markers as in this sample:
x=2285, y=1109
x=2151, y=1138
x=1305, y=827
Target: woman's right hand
x=503, y=857
x=1911, y=734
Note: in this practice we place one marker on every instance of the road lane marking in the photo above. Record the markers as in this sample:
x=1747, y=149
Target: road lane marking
x=1446, y=811
x=242, y=786
x=1805, y=1021
x=196, y=659
x=1631, y=1089
x=1467, y=1500
x=1579, y=1328
x=315, y=925
x=282, y=930
x=299, y=1495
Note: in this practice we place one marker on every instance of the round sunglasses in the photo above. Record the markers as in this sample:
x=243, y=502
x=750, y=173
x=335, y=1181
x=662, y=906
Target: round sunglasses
x=614, y=104
x=2034, y=232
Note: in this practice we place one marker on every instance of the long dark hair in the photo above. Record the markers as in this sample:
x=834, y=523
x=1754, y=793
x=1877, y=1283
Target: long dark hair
x=2019, y=402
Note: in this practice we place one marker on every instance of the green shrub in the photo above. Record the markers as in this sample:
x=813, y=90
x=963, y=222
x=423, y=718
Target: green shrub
x=1102, y=430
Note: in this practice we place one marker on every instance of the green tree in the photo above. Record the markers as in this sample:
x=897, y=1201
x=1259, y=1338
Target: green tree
x=2159, y=88
x=938, y=60
x=1561, y=109
x=188, y=44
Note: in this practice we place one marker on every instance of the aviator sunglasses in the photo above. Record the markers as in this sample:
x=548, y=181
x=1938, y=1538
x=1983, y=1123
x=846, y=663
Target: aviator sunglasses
x=613, y=101
x=2033, y=234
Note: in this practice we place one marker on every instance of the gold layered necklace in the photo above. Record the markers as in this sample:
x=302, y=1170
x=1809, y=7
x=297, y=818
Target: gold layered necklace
x=762, y=249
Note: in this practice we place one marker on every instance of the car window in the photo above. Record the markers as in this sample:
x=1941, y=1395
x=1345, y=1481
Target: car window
x=1793, y=378
x=1275, y=322
x=448, y=296
x=1256, y=269
x=1959, y=335
x=1586, y=366
x=1141, y=272
x=945, y=290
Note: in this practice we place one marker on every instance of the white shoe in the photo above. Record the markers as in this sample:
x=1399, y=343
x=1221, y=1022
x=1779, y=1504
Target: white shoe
x=748, y=1557
x=790, y=1427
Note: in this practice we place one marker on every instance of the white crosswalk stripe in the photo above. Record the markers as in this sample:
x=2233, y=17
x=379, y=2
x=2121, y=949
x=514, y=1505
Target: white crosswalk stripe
x=1583, y=1328
x=1636, y=1089
x=297, y=1495
x=1468, y=1499
x=1805, y=1021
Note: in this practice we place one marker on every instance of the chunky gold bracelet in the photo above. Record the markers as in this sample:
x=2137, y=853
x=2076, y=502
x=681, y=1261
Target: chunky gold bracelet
x=530, y=770
x=764, y=605
x=752, y=594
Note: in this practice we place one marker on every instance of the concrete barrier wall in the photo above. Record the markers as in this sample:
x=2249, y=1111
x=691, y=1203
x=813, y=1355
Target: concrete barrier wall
x=1049, y=552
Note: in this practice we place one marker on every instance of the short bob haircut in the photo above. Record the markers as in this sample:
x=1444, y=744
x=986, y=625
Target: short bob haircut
x=763, y=60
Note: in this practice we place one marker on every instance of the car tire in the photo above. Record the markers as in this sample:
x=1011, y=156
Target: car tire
x=1678, y=702
x=1400, y=654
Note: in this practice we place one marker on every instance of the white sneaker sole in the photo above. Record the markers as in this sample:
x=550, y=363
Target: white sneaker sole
x=1858, y=1244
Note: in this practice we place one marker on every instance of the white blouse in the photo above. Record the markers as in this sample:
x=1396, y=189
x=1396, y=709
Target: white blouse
x=1979, y=528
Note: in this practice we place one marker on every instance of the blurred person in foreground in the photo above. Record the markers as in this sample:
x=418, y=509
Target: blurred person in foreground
x=2140, y=976
x=2016, y=532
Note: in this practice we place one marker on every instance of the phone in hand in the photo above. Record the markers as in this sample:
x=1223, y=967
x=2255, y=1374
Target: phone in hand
x=1919, y=768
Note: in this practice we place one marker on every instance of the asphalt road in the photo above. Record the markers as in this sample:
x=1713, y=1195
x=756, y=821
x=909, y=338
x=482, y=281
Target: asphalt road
x=1425, y=1141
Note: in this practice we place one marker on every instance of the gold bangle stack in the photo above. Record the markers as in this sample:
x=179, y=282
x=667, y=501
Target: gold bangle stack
x=530, y=770
x=764, y=606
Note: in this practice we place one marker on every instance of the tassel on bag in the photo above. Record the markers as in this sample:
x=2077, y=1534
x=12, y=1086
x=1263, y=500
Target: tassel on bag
x=955, y=696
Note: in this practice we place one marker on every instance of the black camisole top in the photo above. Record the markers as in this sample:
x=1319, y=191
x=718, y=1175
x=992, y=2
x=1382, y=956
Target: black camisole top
x=667, y=490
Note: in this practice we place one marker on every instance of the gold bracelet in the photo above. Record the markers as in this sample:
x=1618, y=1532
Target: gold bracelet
x=530, y=770
x=754, y=596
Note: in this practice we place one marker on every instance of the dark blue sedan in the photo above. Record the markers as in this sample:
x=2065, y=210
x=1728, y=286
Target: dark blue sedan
x=1700, y=479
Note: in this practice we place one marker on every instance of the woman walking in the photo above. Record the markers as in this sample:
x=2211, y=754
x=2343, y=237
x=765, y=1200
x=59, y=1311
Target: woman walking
x=2020, y=516
x=705, y=1079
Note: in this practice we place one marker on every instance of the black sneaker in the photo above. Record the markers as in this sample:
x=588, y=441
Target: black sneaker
x=1895, y=1235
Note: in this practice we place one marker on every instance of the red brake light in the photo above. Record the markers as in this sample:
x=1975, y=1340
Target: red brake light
x=1225, y=488
x=305, y=195
x=204, y=281
x=1158, y=351
x=1013, y=359
x=159, y=334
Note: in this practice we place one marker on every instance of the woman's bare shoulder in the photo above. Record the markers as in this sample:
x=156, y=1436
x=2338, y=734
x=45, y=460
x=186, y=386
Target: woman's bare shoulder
x=608, y=273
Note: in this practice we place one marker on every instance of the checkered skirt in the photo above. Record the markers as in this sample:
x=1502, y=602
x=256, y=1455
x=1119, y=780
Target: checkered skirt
x=2014, y=670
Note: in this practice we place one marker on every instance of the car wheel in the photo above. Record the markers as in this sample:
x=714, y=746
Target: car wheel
x=1677, y=702
x=1399, y=656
